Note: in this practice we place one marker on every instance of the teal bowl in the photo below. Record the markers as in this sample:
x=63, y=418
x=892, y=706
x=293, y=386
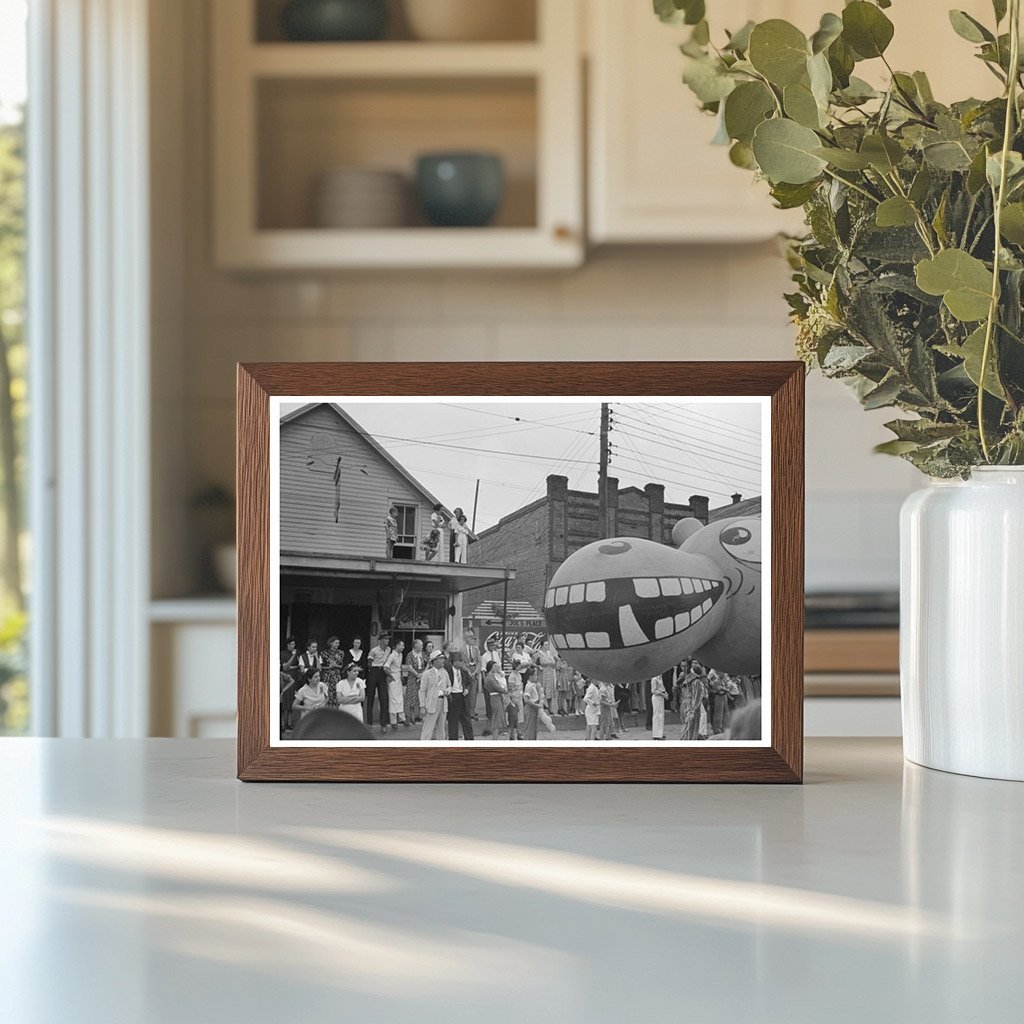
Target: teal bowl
x=334, y=21
x=460, y=190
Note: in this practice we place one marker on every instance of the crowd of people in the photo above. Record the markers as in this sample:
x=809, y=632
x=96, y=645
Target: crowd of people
x=455, y=690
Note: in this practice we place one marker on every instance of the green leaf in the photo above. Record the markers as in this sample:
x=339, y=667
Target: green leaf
x=923, y=431
x=999, y=6
x=883, y=153
x=866, y=29
x=924, y=87
x=789, y=197
x=895, y=447
x=885, y=394
x=971, y=352
x=708, y=80
x=946, y=156
x=969, y=28
x=963, y=281
x=800, y=105
x=739, y=41
x=921, y=185
x=896, y=212
x=1012, y=225
x=741, y=155
x=844, y=159
x=976, y=174
x=994, y=168
x=778, y=50
x=830, y=29
x=785, y=152
x=745, y=108
x=841, y=60
x=820, y=76
x=701, y=33
x=676, y=12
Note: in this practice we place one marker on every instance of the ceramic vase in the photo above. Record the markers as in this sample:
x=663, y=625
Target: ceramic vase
x=962, y=624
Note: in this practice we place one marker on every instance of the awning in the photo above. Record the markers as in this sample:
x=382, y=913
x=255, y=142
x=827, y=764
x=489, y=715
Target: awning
x=459, y=578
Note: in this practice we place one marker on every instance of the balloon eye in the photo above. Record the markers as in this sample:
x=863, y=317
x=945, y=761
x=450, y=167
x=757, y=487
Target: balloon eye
x=735, y=536
x=619, y=547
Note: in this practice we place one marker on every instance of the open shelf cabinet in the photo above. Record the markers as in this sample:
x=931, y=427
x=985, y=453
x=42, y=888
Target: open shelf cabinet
x=285, y=113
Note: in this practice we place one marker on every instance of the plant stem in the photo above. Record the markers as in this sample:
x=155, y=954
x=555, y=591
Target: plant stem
x=855, y=187
x=993, y=309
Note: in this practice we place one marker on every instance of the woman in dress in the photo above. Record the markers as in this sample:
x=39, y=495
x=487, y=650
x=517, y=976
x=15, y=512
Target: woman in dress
x=514, y=679
x=496, y=686
x=396, y=692
x=312, y=694
x=460, y=530
x=355, y=655
x=658, y=695
x=351, y=692
x=332, y=669
x=415, y=663
x=547, y=677
x=592, y=706
x=532, y=703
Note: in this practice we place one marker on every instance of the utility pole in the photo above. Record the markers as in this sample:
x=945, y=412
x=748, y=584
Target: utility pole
x=602, y=473
x=476, y=498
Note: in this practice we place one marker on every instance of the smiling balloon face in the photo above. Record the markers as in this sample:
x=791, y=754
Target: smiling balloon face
x=626, y=609
x=735, y=547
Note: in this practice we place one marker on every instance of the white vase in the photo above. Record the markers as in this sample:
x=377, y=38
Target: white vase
x=962, y=624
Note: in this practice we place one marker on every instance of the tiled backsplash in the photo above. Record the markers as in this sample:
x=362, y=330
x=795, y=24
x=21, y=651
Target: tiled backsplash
x=713, y=303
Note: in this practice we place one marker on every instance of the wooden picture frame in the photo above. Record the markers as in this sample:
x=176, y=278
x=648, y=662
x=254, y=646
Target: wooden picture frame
x=779, y=760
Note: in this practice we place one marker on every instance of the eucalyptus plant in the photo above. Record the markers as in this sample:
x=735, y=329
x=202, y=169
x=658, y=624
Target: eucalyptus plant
x=909, y=280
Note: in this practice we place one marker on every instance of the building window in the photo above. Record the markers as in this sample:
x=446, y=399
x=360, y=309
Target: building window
x=405, y=545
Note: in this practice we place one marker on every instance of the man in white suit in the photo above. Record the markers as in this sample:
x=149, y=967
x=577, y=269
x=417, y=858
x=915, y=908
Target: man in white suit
x=434, y=684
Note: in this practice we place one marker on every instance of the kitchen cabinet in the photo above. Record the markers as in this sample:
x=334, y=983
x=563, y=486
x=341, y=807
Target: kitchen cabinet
x=653, y=175
x=286, y=113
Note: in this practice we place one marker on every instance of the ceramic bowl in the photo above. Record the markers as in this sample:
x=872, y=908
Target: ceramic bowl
x=334, y=20
x=470, y=20
x=460, y=189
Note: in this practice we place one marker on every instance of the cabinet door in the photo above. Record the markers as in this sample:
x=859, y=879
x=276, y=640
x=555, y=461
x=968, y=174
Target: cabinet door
x=654, y=176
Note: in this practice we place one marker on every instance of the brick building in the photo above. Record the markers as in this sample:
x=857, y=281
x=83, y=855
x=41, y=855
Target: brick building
x=536, y=539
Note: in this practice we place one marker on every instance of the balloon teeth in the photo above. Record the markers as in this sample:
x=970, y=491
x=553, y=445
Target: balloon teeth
x=630, y=629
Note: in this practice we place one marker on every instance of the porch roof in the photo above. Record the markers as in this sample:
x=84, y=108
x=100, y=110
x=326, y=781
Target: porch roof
x=459, y=577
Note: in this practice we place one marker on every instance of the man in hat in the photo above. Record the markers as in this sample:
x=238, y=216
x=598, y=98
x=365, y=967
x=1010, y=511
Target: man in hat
x=433, y=705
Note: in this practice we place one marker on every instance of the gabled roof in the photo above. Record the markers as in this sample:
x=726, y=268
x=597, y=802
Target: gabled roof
x=375, y=445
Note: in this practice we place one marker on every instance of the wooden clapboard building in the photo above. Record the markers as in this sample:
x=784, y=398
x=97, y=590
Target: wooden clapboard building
x=336, y=486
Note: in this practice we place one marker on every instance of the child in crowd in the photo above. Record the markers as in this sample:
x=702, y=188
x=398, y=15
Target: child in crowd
x=512, y=717
x=592, y=709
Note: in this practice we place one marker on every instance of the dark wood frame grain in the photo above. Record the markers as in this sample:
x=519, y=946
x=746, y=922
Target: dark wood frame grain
x=782, y=761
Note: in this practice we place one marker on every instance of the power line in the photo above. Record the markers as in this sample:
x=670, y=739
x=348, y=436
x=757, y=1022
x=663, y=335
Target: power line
x=690, y=410
x=678, y=483
x=712, y=472
x=712, y=447
x=519, y=419
x=738, y=466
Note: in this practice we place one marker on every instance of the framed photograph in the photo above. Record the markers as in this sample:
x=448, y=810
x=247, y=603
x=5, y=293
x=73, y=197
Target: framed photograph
x=517, y=572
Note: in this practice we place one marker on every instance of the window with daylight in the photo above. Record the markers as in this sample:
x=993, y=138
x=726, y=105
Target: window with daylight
x=14, y=692
x=405, y=545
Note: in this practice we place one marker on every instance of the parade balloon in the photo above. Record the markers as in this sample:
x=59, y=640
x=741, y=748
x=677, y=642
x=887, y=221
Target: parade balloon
x=627, y=608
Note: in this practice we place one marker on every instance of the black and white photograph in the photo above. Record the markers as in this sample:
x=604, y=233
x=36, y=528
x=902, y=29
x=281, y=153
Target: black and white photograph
x=499, y=570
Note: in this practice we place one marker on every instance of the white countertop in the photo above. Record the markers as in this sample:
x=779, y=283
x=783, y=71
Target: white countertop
x=143, y=884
